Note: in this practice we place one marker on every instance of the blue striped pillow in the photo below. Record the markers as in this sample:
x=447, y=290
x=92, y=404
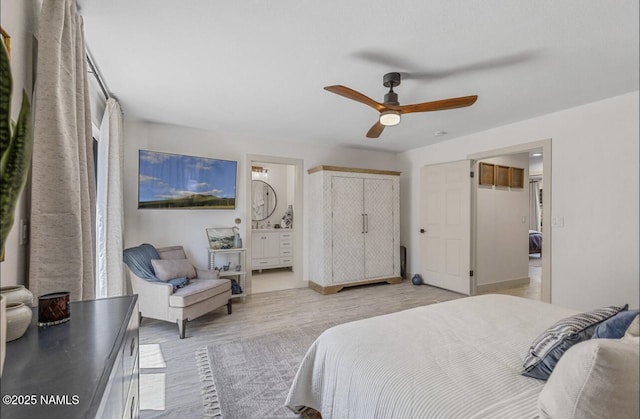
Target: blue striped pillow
x=546, y=349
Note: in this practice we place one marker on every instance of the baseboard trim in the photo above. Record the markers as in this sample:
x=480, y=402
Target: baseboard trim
x=332, y=289
x=497, y=286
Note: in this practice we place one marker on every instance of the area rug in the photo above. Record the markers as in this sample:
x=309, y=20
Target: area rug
x=250, y=377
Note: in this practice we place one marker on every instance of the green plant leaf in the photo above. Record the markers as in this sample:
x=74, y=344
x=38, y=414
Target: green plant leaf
x=16, y=143
x=6, y=88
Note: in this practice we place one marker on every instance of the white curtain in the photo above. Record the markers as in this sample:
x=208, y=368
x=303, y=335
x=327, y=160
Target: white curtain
x=109, y=205
x=534, y=206
x=63, y=183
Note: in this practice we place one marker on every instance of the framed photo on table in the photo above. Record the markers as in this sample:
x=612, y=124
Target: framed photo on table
x=220, y=238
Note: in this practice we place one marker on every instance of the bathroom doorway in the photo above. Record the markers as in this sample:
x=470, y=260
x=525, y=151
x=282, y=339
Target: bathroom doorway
x=274, y=236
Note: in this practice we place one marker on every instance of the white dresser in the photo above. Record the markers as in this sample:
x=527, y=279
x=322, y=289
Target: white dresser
x=271, y=248
x=354, y=226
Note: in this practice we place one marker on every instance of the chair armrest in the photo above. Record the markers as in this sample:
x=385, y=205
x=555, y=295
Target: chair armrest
x=207, y=274
x=153, y=297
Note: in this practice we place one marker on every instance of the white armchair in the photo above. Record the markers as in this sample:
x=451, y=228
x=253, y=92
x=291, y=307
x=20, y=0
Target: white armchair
x=204, y=292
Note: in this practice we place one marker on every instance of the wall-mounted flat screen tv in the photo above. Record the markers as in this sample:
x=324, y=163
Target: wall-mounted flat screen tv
x=187, y=182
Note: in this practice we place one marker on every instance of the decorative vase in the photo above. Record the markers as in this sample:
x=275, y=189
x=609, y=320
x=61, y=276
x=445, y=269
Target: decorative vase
x=417, y=280
x=17, y=294
x=18, y=317
x=237, y=241
x=3, y=330
x=287, y=219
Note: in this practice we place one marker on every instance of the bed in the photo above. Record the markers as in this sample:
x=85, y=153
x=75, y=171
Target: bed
x=535, y=242
x=461, y=358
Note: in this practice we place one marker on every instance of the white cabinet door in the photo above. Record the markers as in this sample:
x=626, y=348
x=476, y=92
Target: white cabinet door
x=271, y=245
x=347, y=229
x=265, y=245
x=265, y=249
x=378, y=237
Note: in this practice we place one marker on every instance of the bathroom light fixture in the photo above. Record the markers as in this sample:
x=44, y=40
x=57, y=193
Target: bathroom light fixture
x=390, y=118
x=260, y=172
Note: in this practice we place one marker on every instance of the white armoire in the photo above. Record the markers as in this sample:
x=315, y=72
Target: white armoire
x=354, y=227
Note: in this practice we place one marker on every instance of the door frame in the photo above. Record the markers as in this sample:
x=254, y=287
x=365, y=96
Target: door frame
x=298, y=224
x=546, y=146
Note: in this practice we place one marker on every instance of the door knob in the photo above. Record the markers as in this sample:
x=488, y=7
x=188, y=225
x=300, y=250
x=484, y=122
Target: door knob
x=422, y=230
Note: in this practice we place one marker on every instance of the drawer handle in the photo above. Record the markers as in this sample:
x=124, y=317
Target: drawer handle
x=133, y=403
x=133, y=345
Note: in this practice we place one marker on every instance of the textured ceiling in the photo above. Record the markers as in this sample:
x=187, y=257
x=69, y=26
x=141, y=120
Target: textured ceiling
x=256, y=68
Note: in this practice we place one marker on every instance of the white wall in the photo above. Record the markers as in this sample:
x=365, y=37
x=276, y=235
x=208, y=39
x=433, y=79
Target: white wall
x=18, y=18
x=291, y=184
x=502, y=243
x=594, y=189
x=187, y=227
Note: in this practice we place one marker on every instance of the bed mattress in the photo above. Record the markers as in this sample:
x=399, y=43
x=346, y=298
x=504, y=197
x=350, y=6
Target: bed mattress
x=458, y=359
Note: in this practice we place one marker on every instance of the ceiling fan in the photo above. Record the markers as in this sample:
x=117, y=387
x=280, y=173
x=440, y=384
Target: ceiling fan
x=390, y=110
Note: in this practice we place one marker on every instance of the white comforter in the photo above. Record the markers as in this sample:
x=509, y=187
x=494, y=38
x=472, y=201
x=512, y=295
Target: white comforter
x=458, y=359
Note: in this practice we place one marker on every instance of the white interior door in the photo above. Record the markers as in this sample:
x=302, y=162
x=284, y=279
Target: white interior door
x=378, y=238
x=348, y=228
x=445, y=223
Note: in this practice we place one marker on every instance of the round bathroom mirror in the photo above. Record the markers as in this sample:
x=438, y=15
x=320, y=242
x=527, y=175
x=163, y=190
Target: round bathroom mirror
x=263, y=200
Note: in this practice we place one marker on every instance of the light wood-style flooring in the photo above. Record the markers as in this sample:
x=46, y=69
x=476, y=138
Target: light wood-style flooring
x=177, y=386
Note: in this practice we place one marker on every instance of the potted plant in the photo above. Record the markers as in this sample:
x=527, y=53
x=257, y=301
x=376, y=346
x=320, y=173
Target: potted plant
x=16, y=142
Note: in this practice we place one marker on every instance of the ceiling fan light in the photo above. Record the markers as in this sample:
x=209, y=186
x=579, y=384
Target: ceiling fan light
x=390, y=118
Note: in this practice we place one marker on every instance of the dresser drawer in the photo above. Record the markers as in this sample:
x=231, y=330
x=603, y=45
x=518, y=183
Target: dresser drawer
x=286, y=243
x=130, y=347
x=264, y=263
x=287, y=261
x=286, y=236
x=286, y=252
x=132, y=402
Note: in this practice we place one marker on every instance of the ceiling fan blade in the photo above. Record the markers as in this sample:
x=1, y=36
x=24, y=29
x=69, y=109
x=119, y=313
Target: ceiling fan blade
x=357, y=96
x=414, y=71
x=436, y=105
x=488, y=64
x=385, y=58
x=375, y=130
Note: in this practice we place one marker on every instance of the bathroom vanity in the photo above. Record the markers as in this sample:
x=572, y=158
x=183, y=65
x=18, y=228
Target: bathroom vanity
x=271, y=248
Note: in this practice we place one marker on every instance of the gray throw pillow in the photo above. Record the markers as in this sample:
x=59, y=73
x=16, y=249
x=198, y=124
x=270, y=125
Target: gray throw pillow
x=616, y=326
x=167, y=269
x=546, y=349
